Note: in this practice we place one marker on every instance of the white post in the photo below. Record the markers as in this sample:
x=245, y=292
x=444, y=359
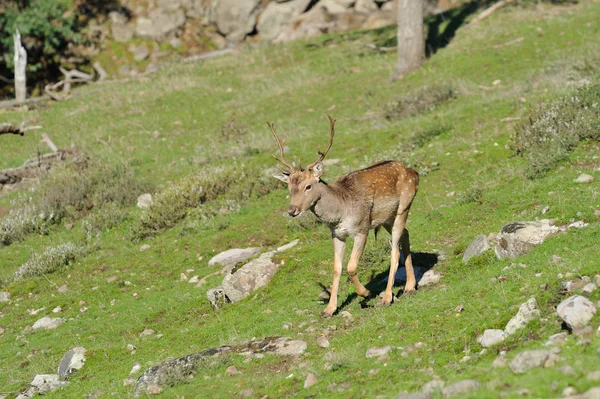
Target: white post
x=20, y=64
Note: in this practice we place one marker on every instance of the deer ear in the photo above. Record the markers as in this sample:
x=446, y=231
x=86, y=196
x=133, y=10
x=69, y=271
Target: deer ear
x=317, y=170
x=280, y=176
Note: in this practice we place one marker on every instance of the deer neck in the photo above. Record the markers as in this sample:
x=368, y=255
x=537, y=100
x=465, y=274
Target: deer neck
x=328, y=207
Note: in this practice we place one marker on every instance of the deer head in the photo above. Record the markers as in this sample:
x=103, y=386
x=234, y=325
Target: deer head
x=303, y=184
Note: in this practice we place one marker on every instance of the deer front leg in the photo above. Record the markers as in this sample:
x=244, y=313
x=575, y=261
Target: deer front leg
x=397, y=230
x=338, y=257
x=359, y=245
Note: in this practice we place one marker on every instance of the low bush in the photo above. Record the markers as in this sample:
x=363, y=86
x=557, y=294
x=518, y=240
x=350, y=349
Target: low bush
x=425, y=99
x=50, y=260
x=550, y=132
x=218, y=190
x=72, y=192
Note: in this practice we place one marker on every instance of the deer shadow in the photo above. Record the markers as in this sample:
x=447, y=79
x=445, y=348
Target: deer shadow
x=422, y=262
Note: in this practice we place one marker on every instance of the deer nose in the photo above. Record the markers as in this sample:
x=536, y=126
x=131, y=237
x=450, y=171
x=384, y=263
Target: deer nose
x=293, y=211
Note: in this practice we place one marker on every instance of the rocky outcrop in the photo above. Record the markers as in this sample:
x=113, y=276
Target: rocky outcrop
x=175, y=371
x=517, y=238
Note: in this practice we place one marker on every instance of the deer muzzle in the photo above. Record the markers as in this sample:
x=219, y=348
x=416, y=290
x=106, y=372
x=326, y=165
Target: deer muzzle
x=294, y=211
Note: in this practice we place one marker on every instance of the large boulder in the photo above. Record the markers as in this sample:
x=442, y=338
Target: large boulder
x=239, y=283
x=273, y=18
x=517, y=238
x=576, y=311
x=235, y=19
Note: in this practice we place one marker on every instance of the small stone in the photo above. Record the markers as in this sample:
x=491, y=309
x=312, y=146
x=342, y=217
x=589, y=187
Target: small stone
x=73, y=360
x=288, y=246
x=529, y=359
x=325, y=295
x=500, y=361
x=246, y=393
x=491, y=338
x=57, y=309
x=232, y=371
x=62, y=289
x=140, y=53
x=569, y=391
x=556, y=260
x=557, y=339
x=597, y=212
x=433, y=386
x=4, y=296
x=584, y=178
x=477, y=247
x=460, y=387
x=153, y=389
x=130, y=347
x=323, y=342
x=566, y=369
x=451, y=194
x=144, y=248
x=459, y=308
x=576, y=311
x=129, y=381
x=194, y=279
x=430, y=277
x=347, y=315
x=48, y=323
x=135, y=369
x=111, y=279
x=376, y=352
x=310, y=381
x=144, y=201
x=594, y=376
x=589, y=288
x=528, y=311
x=546, y=209
x=147, y=332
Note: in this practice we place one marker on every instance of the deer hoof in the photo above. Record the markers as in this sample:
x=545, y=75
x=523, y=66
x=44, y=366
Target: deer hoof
x=364, y=293
x=325, y=315
x=386, y=301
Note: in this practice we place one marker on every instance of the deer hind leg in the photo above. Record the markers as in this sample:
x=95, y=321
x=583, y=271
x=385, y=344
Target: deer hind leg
x=338, y=257
x=411, y=282
x=397, y=230
x=359, y=245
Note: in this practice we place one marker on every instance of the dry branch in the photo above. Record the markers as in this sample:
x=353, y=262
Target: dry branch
x=487, y=12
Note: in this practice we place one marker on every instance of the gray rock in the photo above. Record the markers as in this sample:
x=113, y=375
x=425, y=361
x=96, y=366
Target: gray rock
x=216, y=297
x=161, y=24
x=323, y=342
x=576, y=311
x=121, y=31
x=460, y=387
x=255, y=274
x=529, y=359
x=557, y=339
x=4, y=296
x=376, y=352
x=584, y=178
x=234, y=19
x=73, y=360
x=48, y=322
x=176, y=371
x=589, y=288
x=430, y=277
x=144, y=201
x=491, y=338
x=592, y=393
x=365, y=6
x=528, y=311
x=273, y=17
x=233, y=256
x=517, y=238
x=415, y=395
x=433, y=386
x=478, y=246
x=288, y=246
x=140, y=53
x=310, y=381
x=594, y=376
x=43, y=383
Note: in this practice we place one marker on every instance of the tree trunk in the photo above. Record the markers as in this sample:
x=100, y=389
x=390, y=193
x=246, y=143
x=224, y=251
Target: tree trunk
x=411, y=39
x=20, y=64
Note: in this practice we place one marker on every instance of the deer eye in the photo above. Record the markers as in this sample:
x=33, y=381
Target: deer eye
x=308, y=187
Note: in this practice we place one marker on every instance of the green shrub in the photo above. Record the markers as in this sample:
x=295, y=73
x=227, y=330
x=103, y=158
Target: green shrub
x=48, y=32
x=49, y=261
x=423, y=100
x=551, y=131
x=217, y=190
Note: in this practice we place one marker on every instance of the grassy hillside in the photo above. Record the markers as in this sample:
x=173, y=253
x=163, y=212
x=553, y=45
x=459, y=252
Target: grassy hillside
x=203, y=124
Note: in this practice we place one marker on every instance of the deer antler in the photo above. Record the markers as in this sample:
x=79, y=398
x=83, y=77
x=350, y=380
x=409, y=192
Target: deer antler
x=290, y=168
x=322, y=155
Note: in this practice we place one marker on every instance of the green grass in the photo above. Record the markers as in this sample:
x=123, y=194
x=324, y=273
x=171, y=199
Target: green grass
x=177, y=124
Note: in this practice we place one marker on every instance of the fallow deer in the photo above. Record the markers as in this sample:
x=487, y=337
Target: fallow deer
x=380, y=195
